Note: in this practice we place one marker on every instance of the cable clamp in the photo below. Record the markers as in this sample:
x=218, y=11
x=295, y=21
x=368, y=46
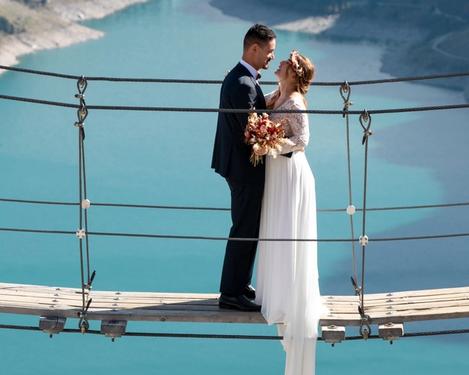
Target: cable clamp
x=365, y=328
x=82, y=113
x=89, y=285
x=363, y=240
x=83, y=323
x=85, y=204
x=82, y=83
x=365, y=122
x=81, y=234
x=345, y=91
x=351, y=209
x=356, y=288
x=365, y=324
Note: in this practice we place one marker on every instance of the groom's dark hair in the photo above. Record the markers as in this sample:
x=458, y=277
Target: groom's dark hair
x=259, y=34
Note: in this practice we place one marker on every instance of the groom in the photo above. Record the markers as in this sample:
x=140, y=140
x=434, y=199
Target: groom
x=240, y=90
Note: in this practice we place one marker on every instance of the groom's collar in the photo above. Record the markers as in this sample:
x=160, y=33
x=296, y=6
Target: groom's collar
x=251, y=70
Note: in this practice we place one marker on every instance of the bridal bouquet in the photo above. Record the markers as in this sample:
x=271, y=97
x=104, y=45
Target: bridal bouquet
x=265, y=137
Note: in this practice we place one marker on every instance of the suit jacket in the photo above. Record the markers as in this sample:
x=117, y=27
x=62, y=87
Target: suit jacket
x=230, y=153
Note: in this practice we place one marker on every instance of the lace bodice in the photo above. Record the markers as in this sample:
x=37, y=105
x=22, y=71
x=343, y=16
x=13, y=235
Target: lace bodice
x=296, y=125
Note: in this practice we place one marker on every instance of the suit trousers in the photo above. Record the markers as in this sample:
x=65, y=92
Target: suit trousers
x=246, y=203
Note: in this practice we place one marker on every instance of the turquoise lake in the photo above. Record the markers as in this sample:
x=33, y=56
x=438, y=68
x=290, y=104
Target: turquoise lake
x=164, y=158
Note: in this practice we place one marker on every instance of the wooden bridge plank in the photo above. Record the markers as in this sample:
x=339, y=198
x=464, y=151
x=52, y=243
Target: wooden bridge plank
x=403, y=294
x=401, y=307
x=212, y=303
x=72, y=291
x=109, y=301
x=193, y=307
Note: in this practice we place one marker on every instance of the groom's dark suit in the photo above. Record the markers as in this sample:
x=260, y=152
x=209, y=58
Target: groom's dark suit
x=231, y=160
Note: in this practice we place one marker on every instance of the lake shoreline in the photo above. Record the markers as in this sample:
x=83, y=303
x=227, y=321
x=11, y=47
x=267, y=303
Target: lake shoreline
x=28, y=29
x=410, y=49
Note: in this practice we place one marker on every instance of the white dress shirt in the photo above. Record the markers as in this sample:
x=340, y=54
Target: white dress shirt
x=253, y=71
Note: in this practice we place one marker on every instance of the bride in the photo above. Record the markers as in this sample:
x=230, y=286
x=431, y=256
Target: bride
x=287, y=276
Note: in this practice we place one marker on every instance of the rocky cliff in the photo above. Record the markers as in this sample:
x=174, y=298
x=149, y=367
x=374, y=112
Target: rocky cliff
x=30, y=25
x=420, y=36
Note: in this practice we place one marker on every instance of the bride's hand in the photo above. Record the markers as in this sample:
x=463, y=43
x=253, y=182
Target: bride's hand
x=270, y=102
x=298, y=148
x=287, y=142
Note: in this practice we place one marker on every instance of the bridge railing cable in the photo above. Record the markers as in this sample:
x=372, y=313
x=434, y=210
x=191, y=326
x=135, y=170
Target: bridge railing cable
x=208, y=208
x=226, y=110
x=240, y=239
x=218, y=82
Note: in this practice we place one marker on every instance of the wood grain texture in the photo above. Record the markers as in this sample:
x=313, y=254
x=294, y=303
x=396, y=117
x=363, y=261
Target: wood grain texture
x=396, y=307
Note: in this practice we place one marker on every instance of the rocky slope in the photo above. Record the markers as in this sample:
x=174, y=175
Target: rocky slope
x=30, y=25
x=420, y=37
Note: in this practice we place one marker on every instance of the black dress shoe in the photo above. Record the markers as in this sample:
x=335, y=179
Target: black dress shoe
x=237, y=303
x=250, y=292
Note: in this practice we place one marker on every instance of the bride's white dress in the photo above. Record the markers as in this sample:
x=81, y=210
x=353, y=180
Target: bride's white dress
x=287, y=276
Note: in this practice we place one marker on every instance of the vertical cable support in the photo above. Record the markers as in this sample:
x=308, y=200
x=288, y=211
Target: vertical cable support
x=83, y=206
x=345, y=91
x=365, y=329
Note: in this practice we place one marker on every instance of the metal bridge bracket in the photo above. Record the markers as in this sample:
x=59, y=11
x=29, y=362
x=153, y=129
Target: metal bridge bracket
x=52, y=325
x=113, y=328
x=333, y=334
x=391, y=331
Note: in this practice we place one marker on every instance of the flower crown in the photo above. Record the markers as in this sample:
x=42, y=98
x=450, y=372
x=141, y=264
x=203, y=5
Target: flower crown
x=295, y=64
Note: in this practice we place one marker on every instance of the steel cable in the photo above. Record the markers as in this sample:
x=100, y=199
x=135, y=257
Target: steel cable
x=229, y=110
x=217, y=82
x=345, y=92
x=221, y=238
x=230, y=336
x=207, y=208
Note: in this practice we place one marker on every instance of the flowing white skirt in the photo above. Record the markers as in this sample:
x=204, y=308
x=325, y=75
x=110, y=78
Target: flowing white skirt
x=287, y=275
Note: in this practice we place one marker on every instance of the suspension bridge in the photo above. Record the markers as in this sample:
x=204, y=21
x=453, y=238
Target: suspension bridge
x=389, y=311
